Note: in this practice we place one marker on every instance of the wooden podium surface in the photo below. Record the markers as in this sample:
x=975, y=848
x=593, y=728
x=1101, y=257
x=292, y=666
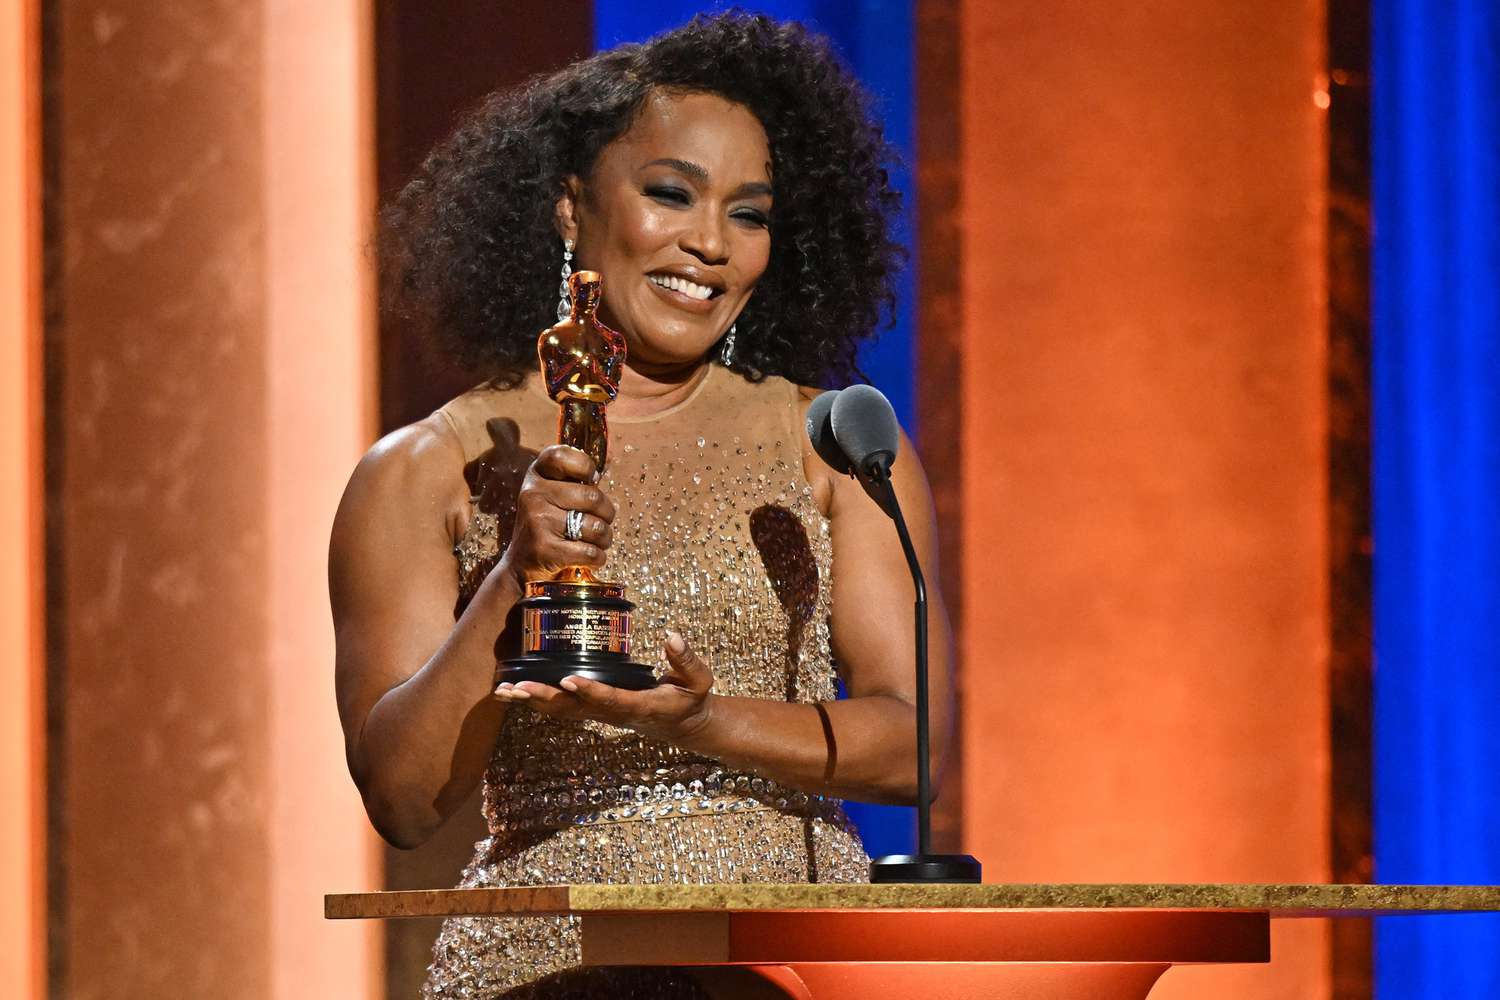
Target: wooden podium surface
x=1041, y=942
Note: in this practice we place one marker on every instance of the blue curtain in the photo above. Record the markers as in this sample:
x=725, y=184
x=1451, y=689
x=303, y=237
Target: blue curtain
x=875, y=39
x=1436, y=441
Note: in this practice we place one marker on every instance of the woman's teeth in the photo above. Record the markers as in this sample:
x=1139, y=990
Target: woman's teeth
x=682, y=285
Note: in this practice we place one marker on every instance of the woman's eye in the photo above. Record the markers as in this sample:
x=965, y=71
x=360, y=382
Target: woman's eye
x=675, y=196
x=753, y=218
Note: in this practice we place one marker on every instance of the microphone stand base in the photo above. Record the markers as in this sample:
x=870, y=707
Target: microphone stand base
x=924, y=868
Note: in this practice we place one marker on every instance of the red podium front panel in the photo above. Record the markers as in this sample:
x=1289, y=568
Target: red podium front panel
x=978, y=942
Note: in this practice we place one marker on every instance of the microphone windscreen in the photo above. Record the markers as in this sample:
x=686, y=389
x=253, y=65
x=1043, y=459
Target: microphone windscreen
x=864, y=424
x=820, y=432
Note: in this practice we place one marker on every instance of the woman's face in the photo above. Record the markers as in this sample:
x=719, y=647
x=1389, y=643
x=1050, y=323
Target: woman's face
x=675, y=216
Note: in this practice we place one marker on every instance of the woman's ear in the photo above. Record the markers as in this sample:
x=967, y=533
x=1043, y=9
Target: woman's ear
x=565, y=211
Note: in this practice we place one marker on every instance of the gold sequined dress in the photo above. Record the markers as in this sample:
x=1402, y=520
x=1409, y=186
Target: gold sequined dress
x=719, y=538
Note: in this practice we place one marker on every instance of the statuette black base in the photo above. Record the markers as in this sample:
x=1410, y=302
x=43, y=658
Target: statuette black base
x=924, y=868
x=575, y=627
x=606, y=668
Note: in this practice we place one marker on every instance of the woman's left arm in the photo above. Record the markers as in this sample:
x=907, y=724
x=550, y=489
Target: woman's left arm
x=862, y=747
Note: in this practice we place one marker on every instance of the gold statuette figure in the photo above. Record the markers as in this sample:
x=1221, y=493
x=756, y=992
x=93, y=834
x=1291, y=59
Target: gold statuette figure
x=575, y=623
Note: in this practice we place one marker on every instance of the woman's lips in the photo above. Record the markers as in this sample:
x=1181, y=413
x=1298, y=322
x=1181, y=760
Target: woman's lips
x=681, y=301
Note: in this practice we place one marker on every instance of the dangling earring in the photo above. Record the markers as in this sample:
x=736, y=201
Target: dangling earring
x=565, y=300
x=727, y=354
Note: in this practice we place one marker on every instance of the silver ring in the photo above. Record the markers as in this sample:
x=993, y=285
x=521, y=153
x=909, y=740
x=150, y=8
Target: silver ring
x=573, y=529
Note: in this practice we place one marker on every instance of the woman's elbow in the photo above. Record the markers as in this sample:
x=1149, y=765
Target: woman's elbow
x=906, y=792
x=402, y=836
x=399, y=823
x=902, y=787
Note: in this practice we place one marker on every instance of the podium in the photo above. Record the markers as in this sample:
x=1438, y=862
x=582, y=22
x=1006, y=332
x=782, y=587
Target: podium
x=996, y=942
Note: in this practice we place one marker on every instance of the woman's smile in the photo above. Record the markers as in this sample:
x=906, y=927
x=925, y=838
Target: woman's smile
x=686, y=288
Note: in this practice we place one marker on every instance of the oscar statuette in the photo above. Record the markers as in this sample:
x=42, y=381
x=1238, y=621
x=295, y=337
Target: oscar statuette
x=575, y=623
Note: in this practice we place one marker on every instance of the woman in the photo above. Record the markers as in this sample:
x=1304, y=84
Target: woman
x=726, y=181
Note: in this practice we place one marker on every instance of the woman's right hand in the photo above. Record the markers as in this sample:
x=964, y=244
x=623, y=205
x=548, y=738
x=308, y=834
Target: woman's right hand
x=560, y=480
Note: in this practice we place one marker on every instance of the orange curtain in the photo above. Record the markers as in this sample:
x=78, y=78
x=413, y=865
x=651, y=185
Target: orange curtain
x=1143, y=364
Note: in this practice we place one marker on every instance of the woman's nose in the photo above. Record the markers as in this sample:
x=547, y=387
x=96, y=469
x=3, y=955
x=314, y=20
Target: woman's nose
x=705, y=240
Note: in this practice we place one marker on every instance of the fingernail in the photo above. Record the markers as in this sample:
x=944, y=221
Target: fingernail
x=569, y=684
x=520, y=693
x=675, y=642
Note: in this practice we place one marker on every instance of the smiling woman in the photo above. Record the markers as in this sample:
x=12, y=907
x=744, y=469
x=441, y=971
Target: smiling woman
x=728, y=185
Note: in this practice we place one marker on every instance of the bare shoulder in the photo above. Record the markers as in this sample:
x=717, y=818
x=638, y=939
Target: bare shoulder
x=428, y=444
x=414, y=473
x=425, y=458
x=819, y=475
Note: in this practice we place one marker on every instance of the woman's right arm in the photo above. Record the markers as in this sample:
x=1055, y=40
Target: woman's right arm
x=414, y=686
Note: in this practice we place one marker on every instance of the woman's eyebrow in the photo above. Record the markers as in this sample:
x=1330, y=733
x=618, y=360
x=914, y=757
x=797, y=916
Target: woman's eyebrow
x=700, y=174
x=684, y=167
x=751, y=188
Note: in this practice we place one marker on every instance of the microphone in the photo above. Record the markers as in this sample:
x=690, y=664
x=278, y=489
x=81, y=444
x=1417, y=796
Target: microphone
x=820, y=432
x=864, y=425
x=866, y=436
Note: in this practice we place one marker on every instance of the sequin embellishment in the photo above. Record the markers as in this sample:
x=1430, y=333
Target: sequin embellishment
x=719, y=538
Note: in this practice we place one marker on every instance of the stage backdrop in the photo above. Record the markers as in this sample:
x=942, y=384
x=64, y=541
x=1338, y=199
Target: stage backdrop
x=1437, y=482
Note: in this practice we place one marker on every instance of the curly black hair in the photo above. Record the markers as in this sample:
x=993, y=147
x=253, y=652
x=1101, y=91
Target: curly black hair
x=468, y=247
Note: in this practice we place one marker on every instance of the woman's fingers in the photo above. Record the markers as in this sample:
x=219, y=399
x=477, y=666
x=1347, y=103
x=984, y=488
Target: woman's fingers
x=594, y=529
x=577, y=496
x=539, y=494
x=677, y=709
x=578, y=698
x=600, y=697
x=560, y=461
x=688, y=670
x=565, y=553
x=539, y=540
x=542, y=697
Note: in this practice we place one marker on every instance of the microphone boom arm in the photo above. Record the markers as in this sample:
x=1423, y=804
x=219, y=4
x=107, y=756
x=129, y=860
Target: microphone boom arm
x=879, y=474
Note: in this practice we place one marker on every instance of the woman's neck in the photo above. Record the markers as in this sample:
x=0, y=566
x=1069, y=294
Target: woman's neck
x=648, y=390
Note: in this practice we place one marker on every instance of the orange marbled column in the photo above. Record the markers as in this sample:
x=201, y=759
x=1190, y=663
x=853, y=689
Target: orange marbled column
x=158, y=354
x=1143, y=490
x=210, y=387
x=318, y=117
x=22, y=733
x=158, y=357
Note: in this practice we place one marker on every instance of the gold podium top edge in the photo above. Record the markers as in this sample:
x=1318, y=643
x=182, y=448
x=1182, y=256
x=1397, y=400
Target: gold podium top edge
x=1279, y=900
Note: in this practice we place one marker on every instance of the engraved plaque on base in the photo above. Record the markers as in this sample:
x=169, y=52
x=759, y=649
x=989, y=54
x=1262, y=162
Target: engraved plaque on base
x=577, y=628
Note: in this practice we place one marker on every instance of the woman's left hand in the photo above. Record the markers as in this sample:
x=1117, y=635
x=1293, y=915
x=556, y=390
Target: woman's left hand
x=676, y=709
